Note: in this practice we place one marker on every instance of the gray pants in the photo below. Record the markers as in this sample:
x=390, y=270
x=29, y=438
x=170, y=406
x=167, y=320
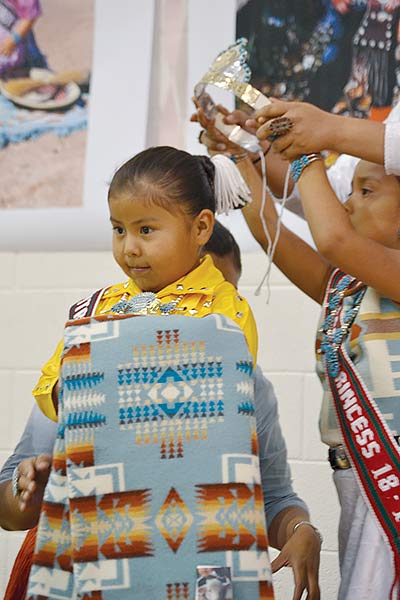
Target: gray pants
x=366, y=565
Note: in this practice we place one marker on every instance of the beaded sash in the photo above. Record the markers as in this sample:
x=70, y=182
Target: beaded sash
x=371, y=448
x=155, y=467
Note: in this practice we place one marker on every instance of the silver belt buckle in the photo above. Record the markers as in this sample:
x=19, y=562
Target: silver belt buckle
x=338, y=458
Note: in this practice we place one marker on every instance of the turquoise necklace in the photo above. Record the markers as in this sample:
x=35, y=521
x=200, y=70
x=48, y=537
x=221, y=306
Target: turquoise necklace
x=145, y=303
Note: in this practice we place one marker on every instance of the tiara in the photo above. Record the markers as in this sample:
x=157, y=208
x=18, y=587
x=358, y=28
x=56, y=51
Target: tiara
x=230, y=71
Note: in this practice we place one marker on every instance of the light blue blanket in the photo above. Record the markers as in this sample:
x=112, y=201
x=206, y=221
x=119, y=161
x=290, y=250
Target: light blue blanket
x=155, y=468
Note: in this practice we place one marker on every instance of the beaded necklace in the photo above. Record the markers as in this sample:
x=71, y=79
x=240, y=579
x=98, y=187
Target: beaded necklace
x=146, y=303
x=335, y=329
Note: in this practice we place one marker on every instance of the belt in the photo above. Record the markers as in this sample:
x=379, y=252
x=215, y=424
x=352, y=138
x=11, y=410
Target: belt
x=338, y=458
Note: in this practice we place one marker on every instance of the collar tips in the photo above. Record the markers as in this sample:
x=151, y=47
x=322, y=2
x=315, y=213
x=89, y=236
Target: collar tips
x=193, y=290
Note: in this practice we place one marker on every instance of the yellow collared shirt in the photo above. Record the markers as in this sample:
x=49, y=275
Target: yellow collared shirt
x=202, y=291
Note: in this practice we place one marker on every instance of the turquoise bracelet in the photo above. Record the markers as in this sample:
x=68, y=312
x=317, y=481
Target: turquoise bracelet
x=16, y=37
x=298, y=165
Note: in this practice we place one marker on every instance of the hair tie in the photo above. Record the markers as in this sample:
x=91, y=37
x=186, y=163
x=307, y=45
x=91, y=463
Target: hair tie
x=231, y=190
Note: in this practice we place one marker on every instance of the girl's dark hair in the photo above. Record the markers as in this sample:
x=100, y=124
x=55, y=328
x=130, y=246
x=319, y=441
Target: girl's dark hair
x=166, y=175
x=222, y=243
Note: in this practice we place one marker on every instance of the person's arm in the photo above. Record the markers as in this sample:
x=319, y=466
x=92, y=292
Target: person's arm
x=217, y=143
x=37, y=439
x=300, y=547
x=315, y=130
x=294, y=257
x=21, y=28
x=22, y=511
x=372, y=263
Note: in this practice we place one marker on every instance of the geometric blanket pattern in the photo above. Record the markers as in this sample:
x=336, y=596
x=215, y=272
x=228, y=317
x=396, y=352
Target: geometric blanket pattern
x=155, y=467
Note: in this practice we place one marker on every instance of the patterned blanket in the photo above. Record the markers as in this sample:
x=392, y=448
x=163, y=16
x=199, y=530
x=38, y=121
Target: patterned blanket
x=20, y=124
x=155, y=467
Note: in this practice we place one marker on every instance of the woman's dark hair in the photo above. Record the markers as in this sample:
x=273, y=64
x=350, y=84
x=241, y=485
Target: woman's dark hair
x=164, y=175
x=222, y=243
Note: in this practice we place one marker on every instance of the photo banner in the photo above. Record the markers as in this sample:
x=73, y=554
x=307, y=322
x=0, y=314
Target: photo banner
x=341, y=55
x=57, y=160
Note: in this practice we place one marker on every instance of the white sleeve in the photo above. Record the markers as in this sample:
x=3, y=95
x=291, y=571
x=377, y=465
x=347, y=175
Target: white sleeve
x=392, y=148
x=392, y=142
x=340, y=175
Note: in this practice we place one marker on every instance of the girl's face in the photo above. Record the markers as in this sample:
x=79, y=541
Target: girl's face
x=374, y=204
x=154, y=246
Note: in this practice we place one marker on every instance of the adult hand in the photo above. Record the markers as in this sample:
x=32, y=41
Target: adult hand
x=215, y=140
x=7, y=46
x=312, y=129
x=302, y=553
x=33, y=476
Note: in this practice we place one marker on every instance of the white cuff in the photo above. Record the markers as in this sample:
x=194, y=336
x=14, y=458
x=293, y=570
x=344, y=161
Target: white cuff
x=392, y=146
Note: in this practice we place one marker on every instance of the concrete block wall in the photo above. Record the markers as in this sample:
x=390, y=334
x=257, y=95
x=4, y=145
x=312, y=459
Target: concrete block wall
x=37, y=289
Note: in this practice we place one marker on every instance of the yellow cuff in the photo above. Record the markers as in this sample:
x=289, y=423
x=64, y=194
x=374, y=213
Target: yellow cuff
x=42, y=394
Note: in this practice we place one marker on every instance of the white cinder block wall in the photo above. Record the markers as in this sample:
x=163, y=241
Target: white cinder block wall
x=35, y=293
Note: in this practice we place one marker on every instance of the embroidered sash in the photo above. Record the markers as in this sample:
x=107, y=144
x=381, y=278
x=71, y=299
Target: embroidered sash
x=87, y=306
x=155, y=467
x=371, y=447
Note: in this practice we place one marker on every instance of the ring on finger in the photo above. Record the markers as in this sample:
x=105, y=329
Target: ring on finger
x=280, y=126
x=16, y=490
x=201, y=135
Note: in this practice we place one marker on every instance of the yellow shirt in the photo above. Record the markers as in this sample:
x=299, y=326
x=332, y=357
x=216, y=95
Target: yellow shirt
x=202, y=291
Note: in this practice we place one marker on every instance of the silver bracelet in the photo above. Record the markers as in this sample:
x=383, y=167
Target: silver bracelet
x=317, y=531
x=15, y=478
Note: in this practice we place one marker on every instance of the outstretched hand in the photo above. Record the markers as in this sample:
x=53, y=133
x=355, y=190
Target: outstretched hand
x=33, y=476
x=215, y=141
x=302, y=553
x=313, y=129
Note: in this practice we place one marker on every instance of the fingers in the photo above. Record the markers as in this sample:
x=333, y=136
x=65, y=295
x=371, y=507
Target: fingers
x=24, y=481
x=236, y=117
x=280, y=561
x=203, y=120
x=299, y=588
x=213, y=144
x=312, y=578
x=251, y=125
x=26, y=487
x=305, y=574
x=282, y=143
x=277, y=108
x=300, y=573
x=43, y=462
x=313, y=589
x=222, y=109
x=42, y=466
x=33, y=476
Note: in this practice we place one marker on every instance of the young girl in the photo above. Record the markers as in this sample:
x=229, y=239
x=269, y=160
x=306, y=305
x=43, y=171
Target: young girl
x=357, y=341
x=157, y=443
x=162, y=204
x=283, y=509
